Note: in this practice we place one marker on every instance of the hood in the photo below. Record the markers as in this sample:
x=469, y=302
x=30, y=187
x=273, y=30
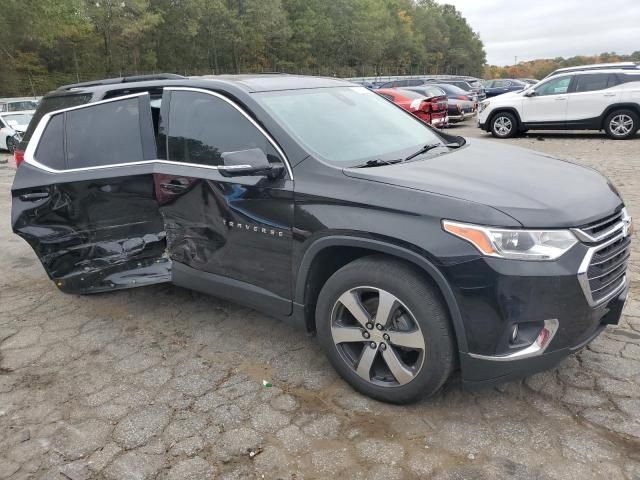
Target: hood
x=17, y=127
x=505, y=96
x=537, y=190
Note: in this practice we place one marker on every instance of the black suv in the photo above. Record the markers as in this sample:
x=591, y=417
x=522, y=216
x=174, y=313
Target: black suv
x=412, y=253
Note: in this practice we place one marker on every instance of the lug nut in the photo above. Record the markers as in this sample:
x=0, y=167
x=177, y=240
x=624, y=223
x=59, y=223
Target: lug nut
x=369, y=326
x=386, y=336
x=378, y=326
x=365, y=334
x=372, y=344
x=383, y=346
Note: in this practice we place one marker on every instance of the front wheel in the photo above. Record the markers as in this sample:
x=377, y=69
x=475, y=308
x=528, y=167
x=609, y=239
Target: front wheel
x=385, y=330
x=11, y=144
x=621, y=124
x=504, y=125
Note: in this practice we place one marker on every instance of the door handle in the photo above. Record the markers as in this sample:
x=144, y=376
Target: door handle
x=33, y=196
x=609, y=94
x=175, y=186
x=561, y=98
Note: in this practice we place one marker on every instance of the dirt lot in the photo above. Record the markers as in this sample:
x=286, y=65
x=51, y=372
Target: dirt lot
x=160, y=382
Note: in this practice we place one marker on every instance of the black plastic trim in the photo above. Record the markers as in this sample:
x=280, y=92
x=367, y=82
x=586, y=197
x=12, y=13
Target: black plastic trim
x=230, y=289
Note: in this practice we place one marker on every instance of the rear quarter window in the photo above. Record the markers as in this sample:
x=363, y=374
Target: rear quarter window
x=50, y=151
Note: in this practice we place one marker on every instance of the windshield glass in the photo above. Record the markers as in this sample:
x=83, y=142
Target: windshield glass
x=20, y=119
x=347, y=125
x=22, y=105
x=452, y=89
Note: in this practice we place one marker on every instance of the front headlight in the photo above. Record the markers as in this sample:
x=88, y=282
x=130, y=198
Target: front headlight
x=482, y=106
x=514, y=244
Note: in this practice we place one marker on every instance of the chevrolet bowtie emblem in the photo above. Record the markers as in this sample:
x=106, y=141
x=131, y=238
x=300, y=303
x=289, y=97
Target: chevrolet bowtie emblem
x=627, y=226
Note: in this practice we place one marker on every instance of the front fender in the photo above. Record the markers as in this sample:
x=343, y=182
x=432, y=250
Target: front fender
x=392, y=250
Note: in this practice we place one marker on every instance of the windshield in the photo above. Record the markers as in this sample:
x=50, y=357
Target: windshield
x=19, y=119
x=22, y=105
x=347, y=125
x=452, y=89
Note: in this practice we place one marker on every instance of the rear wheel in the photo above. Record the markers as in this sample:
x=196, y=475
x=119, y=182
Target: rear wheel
x=621, y=124
x=504, y=125
x=385, y=330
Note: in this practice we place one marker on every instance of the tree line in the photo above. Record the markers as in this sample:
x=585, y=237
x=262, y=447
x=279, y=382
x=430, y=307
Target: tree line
x=542, y=67
x=45, y=43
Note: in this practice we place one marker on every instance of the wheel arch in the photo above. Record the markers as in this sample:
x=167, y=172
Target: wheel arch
x=498, y=110
x=326, y=255
x=618, y=106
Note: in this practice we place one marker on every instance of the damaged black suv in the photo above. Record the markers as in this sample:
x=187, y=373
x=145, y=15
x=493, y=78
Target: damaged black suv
x=410, y=252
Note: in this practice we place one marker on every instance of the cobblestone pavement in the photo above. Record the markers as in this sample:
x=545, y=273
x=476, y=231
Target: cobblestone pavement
x=163, y=383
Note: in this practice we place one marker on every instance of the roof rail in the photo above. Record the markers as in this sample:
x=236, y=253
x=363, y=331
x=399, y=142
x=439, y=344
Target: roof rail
x=113, y=81
x=596, y=66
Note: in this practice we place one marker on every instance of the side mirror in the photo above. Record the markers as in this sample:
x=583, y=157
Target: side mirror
x=530, y=93
x=248, y=162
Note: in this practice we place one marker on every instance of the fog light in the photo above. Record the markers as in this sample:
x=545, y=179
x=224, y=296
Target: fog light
x=543, y=337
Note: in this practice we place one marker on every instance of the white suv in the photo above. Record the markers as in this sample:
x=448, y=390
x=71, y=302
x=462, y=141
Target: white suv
x=606, y=100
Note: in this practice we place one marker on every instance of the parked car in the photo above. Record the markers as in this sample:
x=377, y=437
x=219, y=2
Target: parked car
x=429, y=105
x=460, y=105
x=12, y=126
x=18, y=104
x=501, y=86
x=596, y=66
x=606, y=100
x=473, y=88
x=409, y=251
x=529, y=81
x=364, y=83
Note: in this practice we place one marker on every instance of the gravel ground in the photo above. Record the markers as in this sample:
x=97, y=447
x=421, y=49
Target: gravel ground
x=164, y=383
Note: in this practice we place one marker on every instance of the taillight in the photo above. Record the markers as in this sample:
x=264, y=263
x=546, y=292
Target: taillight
x=425, y=117
x=464, y=97
x=427, y=107
x=18, y=156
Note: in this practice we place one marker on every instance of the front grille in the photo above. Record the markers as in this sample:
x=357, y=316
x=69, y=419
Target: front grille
x=602, y=273
x=601, y=227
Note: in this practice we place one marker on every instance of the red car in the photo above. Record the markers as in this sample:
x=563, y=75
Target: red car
x=431, y=108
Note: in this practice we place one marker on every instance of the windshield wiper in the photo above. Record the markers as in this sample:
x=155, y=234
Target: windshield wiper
x=378, y=162
x=431, y=146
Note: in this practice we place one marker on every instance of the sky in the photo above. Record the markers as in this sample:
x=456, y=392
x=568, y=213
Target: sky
x=531, y=29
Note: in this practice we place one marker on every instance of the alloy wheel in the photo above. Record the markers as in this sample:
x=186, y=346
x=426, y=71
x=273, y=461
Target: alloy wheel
x=503, y=126
x=377, y=336
x=621, y=125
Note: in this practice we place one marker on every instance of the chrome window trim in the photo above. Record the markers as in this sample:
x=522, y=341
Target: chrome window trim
x=44, y=121
x=532, y=350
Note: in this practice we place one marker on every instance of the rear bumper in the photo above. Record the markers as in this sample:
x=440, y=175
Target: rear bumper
x=460, y=118
x=439, y=120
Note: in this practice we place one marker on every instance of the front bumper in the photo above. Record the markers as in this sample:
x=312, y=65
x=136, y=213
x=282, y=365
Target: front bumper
x=495, y=295
x=482, y=372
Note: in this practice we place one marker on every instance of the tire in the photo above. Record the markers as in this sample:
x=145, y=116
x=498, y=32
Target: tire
x=11, y=144
x=621, y=124
x=417, y=319
x=504, y=125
